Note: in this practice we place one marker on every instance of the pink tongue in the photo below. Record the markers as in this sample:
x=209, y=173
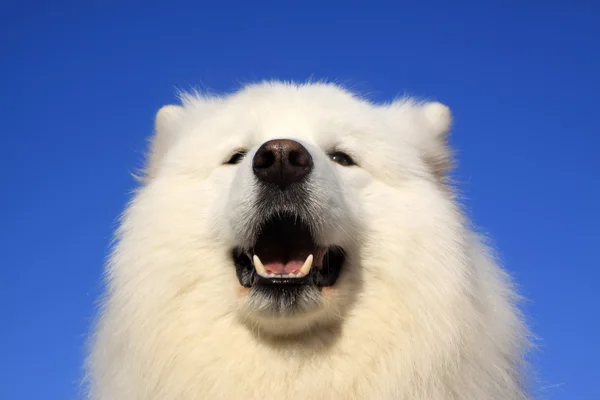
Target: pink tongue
x=290, y=267
x=278, y=259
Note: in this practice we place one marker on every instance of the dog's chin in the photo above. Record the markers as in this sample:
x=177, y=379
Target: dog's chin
x=266, y=317
x=285, y=274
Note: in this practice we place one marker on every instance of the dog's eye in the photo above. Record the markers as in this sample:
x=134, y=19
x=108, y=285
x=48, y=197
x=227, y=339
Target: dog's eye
x=342, y=158
x=236, y=157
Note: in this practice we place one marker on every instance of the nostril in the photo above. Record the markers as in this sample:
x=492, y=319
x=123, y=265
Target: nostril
x=299, y=158
x=294, y=157
x=264, y=160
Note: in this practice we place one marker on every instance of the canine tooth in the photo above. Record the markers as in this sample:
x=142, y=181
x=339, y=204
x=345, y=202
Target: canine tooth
x=307, y=265
x=258, y=265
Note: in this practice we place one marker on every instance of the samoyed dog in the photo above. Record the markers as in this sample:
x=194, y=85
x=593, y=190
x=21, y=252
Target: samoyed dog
x=296, y=241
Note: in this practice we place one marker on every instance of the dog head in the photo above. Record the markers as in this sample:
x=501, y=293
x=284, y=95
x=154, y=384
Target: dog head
x=284, y=204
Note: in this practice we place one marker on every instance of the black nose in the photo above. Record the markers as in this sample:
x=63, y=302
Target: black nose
x=282, y=162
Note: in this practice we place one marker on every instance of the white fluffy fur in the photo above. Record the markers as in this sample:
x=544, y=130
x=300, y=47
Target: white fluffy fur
x=421, y=310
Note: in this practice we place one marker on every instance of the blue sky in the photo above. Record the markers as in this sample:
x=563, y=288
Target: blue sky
x=81, y=84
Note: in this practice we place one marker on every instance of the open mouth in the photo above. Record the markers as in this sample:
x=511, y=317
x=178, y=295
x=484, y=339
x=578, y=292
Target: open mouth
x=285, y=254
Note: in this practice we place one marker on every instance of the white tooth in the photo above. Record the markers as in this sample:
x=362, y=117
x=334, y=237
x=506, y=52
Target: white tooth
x=307, y=265
x=258, y=265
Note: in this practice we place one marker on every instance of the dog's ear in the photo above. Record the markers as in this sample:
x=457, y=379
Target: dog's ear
x=425, y=125
x=438, y=118
x=437, y=121
x=166, y=129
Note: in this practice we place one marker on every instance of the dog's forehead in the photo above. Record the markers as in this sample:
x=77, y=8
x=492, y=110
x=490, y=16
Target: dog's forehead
x=311, y=117
x=325, y=116
x=293, y=123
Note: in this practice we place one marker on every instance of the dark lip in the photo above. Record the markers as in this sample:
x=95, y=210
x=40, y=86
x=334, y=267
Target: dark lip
x=262, y=281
